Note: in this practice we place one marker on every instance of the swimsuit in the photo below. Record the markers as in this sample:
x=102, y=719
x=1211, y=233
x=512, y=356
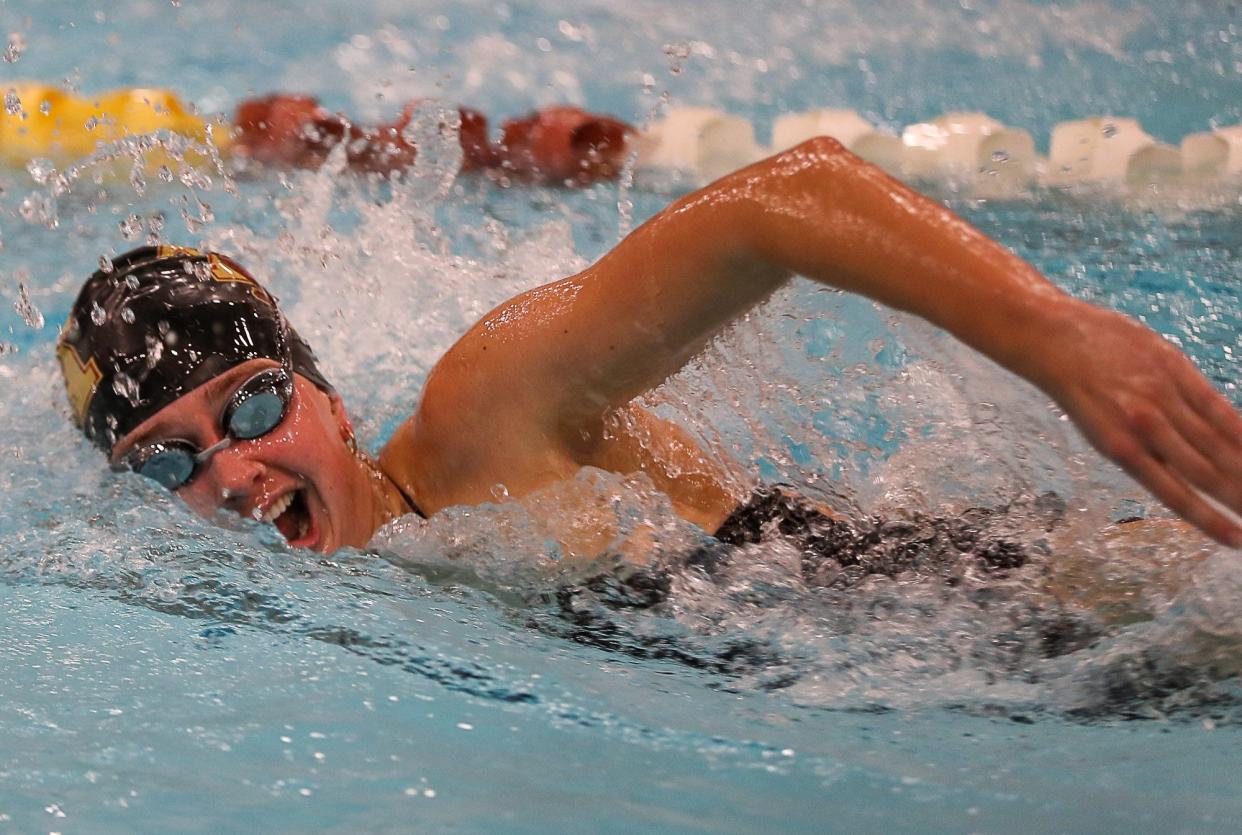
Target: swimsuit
x=834, y=555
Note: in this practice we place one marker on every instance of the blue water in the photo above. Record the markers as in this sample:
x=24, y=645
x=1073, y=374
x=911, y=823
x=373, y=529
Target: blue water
x=162, y=673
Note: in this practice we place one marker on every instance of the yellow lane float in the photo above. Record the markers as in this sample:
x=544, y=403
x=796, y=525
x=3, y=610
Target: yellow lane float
x=43, y=122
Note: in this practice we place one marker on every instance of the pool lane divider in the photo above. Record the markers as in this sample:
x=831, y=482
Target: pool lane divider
x=41, y=125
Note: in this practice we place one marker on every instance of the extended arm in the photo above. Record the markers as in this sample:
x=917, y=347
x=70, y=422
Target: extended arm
x=598, y=339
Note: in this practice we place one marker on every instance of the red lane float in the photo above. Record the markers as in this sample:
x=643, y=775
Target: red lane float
x=555, y=145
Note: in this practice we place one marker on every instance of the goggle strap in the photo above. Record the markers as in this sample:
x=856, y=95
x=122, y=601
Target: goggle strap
x=213, y=449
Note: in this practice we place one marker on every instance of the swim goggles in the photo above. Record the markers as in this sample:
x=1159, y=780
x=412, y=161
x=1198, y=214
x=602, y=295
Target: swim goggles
x=256, y=408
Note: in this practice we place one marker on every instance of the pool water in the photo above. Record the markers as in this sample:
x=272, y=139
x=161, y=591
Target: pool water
x=166, y=673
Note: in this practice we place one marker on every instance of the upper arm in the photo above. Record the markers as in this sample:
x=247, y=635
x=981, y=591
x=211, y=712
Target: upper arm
x=578, y=346
x=557, y=357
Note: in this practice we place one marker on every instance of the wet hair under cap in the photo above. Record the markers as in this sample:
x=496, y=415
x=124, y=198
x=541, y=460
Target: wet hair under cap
x=159, y=322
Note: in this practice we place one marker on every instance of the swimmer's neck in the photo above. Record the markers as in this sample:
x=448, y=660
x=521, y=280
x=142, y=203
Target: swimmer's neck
x=388, y=500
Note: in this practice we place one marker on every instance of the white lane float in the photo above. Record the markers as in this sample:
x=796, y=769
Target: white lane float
x=1213, y=155
x=700, y=143
x=1109, y=149
x=847, y=127
x=970, y=149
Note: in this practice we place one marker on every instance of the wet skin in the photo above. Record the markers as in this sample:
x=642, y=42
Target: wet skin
x=531, y=393
x=523, y=397
x=341, y=500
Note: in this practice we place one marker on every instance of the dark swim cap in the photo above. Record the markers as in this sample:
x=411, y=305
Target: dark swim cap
x=158, y=324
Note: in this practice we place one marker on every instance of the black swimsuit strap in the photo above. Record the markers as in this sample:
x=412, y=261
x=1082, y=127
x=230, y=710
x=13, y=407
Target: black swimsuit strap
x=408, y=499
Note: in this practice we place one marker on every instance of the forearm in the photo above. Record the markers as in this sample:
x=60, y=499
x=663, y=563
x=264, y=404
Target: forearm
x=819, y=211
x=823, y=213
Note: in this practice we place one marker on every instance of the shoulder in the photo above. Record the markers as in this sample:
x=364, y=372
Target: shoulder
x=483, y=418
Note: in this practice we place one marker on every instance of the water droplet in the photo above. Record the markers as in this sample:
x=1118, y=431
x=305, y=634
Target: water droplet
x=39, y=208
x=40, y=170
x=12, y=104
x=98, y=316
x=25, y=308
x=1110, y=130
x=679, y=52
x=131, y=227
x=127, y=315
x=126, y=386
x=433, y=129
x=105, y=264
x=17, y=45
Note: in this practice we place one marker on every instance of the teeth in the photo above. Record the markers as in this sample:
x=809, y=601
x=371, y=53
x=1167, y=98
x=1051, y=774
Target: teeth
x=303, y=528
x=281, y=505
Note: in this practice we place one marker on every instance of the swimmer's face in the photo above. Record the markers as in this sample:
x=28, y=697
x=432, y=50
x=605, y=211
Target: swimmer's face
x=302, y=476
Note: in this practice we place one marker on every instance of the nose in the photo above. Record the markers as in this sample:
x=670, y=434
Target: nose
x=235, y=475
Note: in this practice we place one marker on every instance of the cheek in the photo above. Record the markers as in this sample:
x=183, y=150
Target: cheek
x=201, y=496
x=309, y=443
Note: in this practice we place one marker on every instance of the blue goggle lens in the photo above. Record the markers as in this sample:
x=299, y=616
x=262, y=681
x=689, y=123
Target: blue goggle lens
x=171, y=466
x=256, y=415
x=256, y=408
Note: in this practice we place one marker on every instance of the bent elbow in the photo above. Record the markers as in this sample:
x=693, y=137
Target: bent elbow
x=821, y=146
x=816, y=152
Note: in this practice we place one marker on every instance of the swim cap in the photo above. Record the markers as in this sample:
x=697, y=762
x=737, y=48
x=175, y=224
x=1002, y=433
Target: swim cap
x=159, y=323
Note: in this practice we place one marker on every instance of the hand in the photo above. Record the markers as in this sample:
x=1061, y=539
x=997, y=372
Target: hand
x=1142, y=403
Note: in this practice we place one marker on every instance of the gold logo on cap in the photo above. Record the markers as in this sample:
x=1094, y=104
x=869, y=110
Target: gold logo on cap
x=171, y=251
x=81, y=378
x=223, y=269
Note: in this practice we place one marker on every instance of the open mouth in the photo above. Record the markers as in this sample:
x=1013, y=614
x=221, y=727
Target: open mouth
x=291, y=516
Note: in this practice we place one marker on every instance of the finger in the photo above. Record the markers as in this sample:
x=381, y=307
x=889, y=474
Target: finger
x=1213, y=407
x=1181, y=499
x=1194, y=448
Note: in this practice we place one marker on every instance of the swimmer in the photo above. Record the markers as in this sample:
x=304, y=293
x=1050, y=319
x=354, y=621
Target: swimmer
x=180, y=367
